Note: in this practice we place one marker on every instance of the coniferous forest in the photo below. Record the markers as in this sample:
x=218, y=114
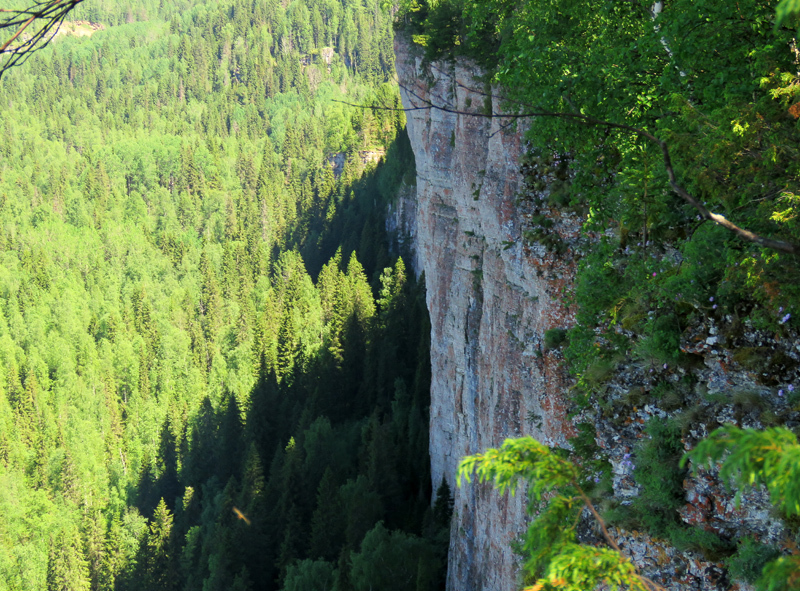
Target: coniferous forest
x=214, y=370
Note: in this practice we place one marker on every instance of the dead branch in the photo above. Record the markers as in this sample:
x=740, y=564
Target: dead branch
x=30, y=29
x=650, y=583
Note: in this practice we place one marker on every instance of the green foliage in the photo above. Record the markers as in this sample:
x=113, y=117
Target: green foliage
x=310, y=575
x=656, y=471
x=747, y=457
x=554, y=338
x=748, y=562
x=174, y=190
x=159, y=551
x=781, y=574
x=750, y=457
x=591, y=457
x=785, y=10
x=650, y=264
x=67, y=567
x=553, y=557
x=659, y=476
x=716, y=83
x=443, y=508
x=523, y=459
x=394, y=561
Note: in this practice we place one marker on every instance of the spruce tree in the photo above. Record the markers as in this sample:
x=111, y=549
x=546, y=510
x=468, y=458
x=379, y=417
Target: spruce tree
x=67, y=567
x=327, y=522
x=159, y=555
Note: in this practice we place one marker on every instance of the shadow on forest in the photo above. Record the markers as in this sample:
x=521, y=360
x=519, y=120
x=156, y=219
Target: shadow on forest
x=359, y=220
x=236, y=497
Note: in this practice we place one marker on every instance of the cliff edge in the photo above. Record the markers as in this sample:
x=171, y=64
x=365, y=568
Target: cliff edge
x=493, y=295
x=490, y=301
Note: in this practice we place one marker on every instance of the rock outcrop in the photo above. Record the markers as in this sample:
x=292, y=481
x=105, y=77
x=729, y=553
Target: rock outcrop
x=490, y=300
x=492, y=296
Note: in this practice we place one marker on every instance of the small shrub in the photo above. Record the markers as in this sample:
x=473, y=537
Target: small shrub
x=659, y=476
x=748, y=400
x=534, y=419
x=593, y=459
x=633, y=313
x=598, y=372
x=755, y=359
x=692, y=417
x=622, y=516
x=697, y=539
x=554, y=338
x=635, y=396
x=749, y=560
x=662, y=345
x=769, y=418
x=668, y=395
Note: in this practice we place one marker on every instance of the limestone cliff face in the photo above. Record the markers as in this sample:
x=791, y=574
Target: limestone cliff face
x=490, y=300
x=492, y=296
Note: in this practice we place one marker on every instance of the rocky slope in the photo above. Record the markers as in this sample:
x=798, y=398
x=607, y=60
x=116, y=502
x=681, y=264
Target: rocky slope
x=491, y=297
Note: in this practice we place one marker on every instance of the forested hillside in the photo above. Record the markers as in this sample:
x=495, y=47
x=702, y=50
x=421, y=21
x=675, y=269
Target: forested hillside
x=213, y=373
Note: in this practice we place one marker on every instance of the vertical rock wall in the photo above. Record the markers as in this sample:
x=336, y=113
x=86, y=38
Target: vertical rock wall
x=490, y=300
x=401, y=226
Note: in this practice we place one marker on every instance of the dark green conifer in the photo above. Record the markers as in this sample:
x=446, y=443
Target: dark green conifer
x=327, y=522
x=67, y=567
x=161, y=571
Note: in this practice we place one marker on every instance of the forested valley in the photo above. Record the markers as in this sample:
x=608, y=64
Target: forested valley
x=214, y=370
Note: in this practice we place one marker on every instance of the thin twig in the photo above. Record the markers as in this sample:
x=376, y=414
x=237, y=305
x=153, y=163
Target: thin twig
x=589, y=505
x=48, y=15
x=611, y=541
x=17, y=34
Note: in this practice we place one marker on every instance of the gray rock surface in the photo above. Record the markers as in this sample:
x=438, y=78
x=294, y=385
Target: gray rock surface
x=490, y=300
x=491, y=297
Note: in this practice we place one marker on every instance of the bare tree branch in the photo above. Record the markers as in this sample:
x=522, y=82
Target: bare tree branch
x=419, y=103
x=30, y=29
x=649, y=583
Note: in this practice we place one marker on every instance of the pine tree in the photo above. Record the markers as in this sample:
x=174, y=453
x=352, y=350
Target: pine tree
x=327, y=524
x=167, y=487
x=287, y=346
x=113, y=559
x=443, y=507
x=253, y=481
x=291, y=546
x=263, y=417
x=94, y=532
x=360, y=291
x=210, y=302
x=229, y=448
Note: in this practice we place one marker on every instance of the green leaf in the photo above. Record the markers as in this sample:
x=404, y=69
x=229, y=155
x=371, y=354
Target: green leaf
x=785, y=10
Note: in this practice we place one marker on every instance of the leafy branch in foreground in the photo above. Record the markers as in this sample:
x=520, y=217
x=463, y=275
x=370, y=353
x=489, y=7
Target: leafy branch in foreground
x=31, y=29
x=748, y=457
x=555, y=557
x=785, y=10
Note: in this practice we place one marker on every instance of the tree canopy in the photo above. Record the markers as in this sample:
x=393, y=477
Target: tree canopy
x=213, y=371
